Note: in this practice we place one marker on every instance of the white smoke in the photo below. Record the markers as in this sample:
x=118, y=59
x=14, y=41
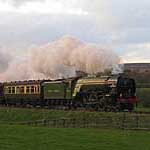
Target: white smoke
x=20, y=2
x=60, y=59
x=118, y=69
x=5, y=58
x=69, y=54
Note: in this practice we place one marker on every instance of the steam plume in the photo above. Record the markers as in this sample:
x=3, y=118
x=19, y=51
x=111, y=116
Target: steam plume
x=4, y=60
x=61, y=58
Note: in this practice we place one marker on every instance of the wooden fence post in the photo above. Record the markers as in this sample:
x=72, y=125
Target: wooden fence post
x=74, y=122
x=124, y=121
x=137, y=121
x=54, y=122
x=63, y=123
x=44, y=122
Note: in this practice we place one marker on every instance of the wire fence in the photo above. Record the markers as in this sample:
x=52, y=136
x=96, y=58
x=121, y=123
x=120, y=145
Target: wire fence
x=124, y=121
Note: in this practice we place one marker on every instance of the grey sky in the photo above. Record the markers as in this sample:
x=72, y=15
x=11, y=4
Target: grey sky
x=122, y=24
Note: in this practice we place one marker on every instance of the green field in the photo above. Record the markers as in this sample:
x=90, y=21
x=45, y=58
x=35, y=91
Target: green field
x=10, y=115
x=40, y=138
x=23, y=137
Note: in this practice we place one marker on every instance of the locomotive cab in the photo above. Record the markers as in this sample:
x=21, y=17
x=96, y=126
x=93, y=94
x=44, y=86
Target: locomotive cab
x=126, y=89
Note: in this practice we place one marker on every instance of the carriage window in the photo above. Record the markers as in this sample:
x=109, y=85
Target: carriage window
x=38, y=89
x=32, y=89
x=13, y=90
x=9, y=90
x=27, y=89
x=35, y=89
x=6, y=90
x=22, y=89
x=17, y=89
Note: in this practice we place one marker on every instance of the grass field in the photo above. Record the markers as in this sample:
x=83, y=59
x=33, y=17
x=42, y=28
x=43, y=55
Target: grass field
x=40, y=138
x=15, y=115
x=9, y=115
x=23, y=137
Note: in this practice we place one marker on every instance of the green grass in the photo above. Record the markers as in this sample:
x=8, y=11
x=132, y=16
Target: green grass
x=39, y=138
x=18, y=115
x=9, y=115
x=21, y=137
x=143, y=109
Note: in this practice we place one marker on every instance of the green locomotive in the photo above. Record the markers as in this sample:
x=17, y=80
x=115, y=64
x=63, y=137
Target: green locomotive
x=98, y=93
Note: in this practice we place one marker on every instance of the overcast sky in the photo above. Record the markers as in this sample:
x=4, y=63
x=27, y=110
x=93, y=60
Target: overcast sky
x=123, y=25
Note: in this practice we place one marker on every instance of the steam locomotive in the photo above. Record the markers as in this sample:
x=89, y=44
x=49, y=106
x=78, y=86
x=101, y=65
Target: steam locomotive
x=98, y=93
